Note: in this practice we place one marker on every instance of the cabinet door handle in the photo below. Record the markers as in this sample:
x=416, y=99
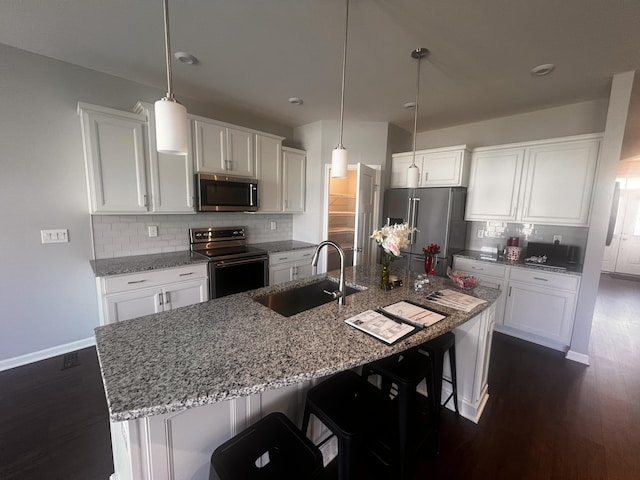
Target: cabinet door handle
x=185, y=274
x=160, y=299
x=426, y=176
x=526, y=210
x=135, y=281
x=146, y=200
x=167, y=297
x=541, y=279
x=509, y=291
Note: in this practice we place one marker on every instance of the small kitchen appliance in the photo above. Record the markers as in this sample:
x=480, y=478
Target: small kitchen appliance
x=234, y=266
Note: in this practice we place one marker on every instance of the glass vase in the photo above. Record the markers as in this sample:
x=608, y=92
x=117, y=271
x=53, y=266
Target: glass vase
x=430, y=262
x=384, y=270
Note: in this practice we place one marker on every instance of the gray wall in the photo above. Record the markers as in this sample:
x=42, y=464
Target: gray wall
x=47, y=292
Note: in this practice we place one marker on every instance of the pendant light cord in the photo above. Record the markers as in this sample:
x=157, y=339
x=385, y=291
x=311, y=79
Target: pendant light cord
x=167, y=45
x=344, y=70
x=415, y=115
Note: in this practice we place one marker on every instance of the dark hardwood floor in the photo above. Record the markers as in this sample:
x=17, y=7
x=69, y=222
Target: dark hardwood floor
x=547, y=417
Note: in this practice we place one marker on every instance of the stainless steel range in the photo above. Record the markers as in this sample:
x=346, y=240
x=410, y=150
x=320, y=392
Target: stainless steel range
x=234, y=266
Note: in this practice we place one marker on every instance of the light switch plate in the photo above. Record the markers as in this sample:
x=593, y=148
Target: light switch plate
x=153, y=230
x=557, y=238
x=273, y=225
x=59, y=235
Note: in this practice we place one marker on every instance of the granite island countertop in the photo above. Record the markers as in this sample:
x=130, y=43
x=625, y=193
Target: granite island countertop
x=234, y=346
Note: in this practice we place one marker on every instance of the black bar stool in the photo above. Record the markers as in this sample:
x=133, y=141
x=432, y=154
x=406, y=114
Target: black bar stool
x=271, y=449
x=435, y=349
x=399, y=377
x=360, y=417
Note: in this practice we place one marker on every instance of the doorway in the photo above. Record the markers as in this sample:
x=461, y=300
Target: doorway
x=351, y=205
x=622, y=255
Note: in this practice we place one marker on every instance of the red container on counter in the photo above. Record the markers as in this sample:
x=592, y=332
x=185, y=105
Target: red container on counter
x=513, y=241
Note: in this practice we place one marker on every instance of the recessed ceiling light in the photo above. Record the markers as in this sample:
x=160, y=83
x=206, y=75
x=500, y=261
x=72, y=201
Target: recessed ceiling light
x=542, y=70
x=186, y=58
x=410, y=105
x=296, y=101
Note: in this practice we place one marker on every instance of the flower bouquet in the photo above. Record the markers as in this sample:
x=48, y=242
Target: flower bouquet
x=431, y=258
x=391, y=238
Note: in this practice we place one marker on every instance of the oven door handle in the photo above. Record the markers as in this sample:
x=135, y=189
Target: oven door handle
x=233, y=263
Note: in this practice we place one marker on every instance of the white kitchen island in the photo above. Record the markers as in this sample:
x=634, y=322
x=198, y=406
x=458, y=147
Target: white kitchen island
x=180, y=383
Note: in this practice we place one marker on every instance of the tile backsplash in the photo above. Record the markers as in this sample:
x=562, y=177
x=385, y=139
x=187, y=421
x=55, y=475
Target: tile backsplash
x=126, y=235
x=497, y=233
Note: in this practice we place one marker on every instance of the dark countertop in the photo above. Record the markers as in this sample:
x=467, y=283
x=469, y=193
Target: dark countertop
x=234, y=346
x=570, y=268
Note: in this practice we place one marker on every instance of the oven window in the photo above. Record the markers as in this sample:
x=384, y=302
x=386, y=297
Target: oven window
x=237, y=278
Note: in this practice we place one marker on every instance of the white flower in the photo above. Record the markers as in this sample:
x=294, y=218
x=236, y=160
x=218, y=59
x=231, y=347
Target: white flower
x=393, y=238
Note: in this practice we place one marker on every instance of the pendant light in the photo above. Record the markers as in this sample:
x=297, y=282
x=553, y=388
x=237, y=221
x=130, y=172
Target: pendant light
x=339, y=160
x=171, y=116
x=413, y=173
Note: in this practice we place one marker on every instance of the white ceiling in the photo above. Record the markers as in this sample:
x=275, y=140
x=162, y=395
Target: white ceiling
x=255, y=54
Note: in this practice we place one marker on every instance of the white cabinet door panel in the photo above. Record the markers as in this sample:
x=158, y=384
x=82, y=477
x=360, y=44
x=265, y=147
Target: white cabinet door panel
x=494, y=185
x=294, y=179
x=115, y=161
x=240, y=153
x=559, y=181
x=186, y=293
x=541, y=311
x=125, y=306
x=210, y=147
x=269, y=173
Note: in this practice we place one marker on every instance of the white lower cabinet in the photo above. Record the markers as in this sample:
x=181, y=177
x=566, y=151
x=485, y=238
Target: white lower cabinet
x=123, y=297
x=290, y=265
x=541, y=305
x=536, y=305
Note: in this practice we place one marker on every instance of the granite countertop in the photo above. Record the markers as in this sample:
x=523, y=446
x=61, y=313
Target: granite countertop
x=283, y=246
x=140, y=263
x=122, y=265
x=234, y=346
x=570, y=268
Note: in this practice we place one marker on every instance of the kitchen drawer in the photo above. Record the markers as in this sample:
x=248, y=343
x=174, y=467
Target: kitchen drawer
x=153, y=278
x=545, y=279
x=479, y=267
x=290, y=256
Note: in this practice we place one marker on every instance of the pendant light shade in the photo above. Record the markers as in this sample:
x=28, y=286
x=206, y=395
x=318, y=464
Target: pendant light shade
x=413, y=173
x=171, y=127
x=339, y=159
x=171, y=116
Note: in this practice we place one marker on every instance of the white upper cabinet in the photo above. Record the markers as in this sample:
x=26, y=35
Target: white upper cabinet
x=125, y=173
x=269, y=173
x=223, y=149
x=544, y=182
x=439, y=167
x=115, y=160
x=494, y=184
x=294, y=163
x=170, y=176
x=559, y=181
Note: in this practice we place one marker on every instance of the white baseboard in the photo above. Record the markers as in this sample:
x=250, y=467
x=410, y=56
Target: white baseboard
x=46, y=353
x=577, y=357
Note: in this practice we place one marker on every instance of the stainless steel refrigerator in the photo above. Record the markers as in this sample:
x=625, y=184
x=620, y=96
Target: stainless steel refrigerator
x=438, y=215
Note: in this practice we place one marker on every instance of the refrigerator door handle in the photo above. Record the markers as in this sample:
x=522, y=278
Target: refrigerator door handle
x=413, y=209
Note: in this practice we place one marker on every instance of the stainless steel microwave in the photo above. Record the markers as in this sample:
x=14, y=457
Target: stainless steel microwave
x=220, y=193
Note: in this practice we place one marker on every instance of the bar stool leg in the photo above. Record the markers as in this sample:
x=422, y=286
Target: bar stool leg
x=454, y=378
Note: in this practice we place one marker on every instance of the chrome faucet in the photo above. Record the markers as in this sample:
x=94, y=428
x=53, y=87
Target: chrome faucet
x=341, y=292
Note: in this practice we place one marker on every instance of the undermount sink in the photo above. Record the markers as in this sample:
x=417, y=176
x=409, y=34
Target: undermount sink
x=300, y=299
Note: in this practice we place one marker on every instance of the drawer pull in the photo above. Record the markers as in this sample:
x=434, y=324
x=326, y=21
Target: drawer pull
x=185, y=274
x=307, y=254
x=477, y=268
x=136, y=281
x=283, y=258
x=541, y=279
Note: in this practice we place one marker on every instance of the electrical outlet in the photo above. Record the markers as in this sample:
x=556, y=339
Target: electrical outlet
x=54, y=236
x=273, y=225
x=480, y=233
x=153, y=231
x=557, y=238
